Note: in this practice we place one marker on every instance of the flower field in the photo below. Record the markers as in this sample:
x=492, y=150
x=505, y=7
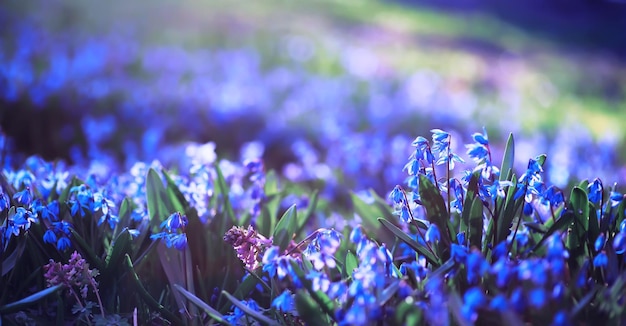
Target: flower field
x=201, y=163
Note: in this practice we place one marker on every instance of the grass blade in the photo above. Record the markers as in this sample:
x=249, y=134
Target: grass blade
x=254, y=314
x=422, y=250
x=29, y=300
x=214, y=314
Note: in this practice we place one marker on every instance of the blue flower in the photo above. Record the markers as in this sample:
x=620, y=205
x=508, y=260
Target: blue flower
x=459, y=253
x=102, y=204
x=284, y=302
x=404, y=214
x=174, y=222
x=4, y=201
x=599, y=243
x=457, y=191
x=553, y=196
x=420, y=142
x=24, y=218
x=476, y=267
x=537, y=298
x=397, y=195
x=412, y=167
x=275, y=264
x=503, y=273
x=501, y=250
x=499, y=303
x=432, y=234
x=478, y=152
x=528, y=209
x=482, y=139
x=619, y=243
x=601, y=260
x=473, y=299
x=439, y=135
x=595, y=191
x=23, y=197
x=110, y=218
x=48, y=212
x=616, y=198
x=63, y=243
x=356, y=235
x=560, y=319
x=49, y=237
x=517, y=300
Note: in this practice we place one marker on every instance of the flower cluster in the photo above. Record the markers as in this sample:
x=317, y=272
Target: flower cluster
x=249, y=245
x=76, y=276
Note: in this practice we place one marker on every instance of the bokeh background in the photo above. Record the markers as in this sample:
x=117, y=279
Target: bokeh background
x=323, y=90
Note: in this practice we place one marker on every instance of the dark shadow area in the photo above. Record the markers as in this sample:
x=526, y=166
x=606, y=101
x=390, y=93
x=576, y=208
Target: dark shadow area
x=584, y=24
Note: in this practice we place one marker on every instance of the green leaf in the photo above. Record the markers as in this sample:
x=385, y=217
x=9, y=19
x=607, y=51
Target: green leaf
x=594, y=225
x=147, y=298
x=265, y=221
x=580, y=207
x=441, y=270
x=252, y=313
x=435, y=206
x=620, y=215
x=537, y=227
x=583, y=303
x=421, y=249
x=9, y=263
x=388, y=293
x=174, y=265
x=125, y=211
x=370, y=214
x=583, y=184
x=302, y=221
x=563, y=222
x=121, y=246
x=30, y=300
x=65, y=194
x=507, y=213
x=352, y=263
x=156, y=200
x=271, y=183
x=214, y=314
x=91, y=256
x=455, y=305
x=308, y=310
x=472, y=192
x=476, y=223
x=286, y=227
x=541, y=159
x=506, y=169
x=176, y=197
x=319, y=297
x=224, y=190
x=406, y=314
x=243, y=290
